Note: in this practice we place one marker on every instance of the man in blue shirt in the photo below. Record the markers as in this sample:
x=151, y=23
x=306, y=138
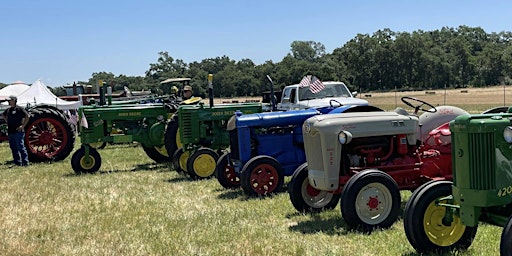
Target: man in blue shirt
x=16, y=118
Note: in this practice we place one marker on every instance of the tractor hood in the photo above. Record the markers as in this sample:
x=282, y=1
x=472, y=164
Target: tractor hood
x=314, y=103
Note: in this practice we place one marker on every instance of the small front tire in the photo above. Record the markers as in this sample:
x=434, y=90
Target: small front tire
x=82, y=164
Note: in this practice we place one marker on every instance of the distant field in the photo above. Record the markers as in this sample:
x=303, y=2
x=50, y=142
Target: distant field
x=473, y=100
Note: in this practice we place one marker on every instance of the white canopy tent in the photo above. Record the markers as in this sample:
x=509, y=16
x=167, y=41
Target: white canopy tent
x=39, y=94
x=16, y=88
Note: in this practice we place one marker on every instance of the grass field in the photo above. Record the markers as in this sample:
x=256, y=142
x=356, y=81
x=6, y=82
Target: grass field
x=133, y=206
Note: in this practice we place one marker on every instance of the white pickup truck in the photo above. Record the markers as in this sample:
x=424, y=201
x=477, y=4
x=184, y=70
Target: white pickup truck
x=296, y=97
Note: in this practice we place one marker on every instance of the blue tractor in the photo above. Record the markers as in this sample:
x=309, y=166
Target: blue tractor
x=266, y=147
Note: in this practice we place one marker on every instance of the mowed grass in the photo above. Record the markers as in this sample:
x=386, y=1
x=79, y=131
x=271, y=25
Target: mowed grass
x=134, y=206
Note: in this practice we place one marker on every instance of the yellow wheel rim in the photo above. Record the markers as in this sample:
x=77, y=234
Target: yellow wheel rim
x=87, y=162
x=178, y=139
x=183, y=160
x=438, y=233
x=204, y=165
x=162, y=150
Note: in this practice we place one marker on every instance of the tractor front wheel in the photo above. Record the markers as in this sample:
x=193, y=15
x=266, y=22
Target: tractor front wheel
x=225, y=172
x=262, y=176
x=201, y=164
x=306, y=198
x=85, y=164
x=370, y=200
x=424, y=221
x=179, y=160
x=506, y=239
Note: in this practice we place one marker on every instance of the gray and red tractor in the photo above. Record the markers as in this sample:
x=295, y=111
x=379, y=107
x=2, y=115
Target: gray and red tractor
x=362, y=160
x=444, y=215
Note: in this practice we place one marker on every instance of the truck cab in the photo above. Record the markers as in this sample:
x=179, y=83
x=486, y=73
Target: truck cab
x=296, y=97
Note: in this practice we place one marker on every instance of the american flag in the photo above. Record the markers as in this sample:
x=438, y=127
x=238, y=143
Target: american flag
x=306, y=81
x=316, y=85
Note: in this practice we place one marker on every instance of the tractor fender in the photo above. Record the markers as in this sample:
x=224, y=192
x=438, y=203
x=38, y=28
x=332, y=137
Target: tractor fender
x=430, y=121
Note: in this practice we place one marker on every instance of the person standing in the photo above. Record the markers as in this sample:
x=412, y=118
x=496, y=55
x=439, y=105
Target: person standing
x=16, y=118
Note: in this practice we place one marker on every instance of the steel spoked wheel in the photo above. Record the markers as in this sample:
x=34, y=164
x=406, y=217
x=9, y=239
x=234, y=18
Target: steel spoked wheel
x=225, y=172
x=262, y=175
x=506, y=239
x=306, y=198
x=48, y=135
x=179, y=160
x=370, y=200
x=201, y=164
x=424, y=225
x=85, y=164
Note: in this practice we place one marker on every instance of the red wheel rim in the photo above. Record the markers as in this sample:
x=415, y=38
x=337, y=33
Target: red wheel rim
x=46, y=137
x=264, y=179
x=312, y=191
x=230, y=175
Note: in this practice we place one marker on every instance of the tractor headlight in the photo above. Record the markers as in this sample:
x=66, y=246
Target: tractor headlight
x=160, y=118
x=344, y=137
x=507, y=134
x=307, y=127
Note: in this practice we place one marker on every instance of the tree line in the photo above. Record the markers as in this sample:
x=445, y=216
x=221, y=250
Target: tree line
x=386, y=60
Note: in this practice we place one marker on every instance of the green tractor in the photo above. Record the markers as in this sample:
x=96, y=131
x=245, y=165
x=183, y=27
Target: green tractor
x=198, y=133
x=126, y=122
x=444, y=215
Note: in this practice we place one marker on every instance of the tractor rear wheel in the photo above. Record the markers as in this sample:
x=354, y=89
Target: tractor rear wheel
x=49, y=136
x=157, y=153
x=424, y=221
x=179, y=160
x=201, y=164
x=506, y=239
x=172, y=139
x=261, y=176
x=306, y=198
x=225, y=172
x=82, y=164
x=370, y=200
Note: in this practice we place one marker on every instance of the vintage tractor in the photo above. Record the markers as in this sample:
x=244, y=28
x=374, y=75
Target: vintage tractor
x=202, y=134
x=49, y=135
x=367, y=158
x=266, y=147
x=122, y=123
x=444, y=215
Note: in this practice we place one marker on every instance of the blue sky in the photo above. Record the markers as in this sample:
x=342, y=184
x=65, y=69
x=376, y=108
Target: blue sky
x=61, y=41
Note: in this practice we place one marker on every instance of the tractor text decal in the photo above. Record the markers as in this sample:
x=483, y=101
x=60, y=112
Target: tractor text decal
x=130, y=114
x=505, y=191
x=223, y=113
x=331, y=156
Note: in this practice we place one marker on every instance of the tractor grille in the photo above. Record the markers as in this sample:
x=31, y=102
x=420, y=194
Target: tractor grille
x=186, y=125
x=481, y=161
x=233, y=144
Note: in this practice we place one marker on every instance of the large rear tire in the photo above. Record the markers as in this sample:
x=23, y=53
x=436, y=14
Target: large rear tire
x=423, y=221
x=157, y=153
x=306, y=198
x=49, y=136
x=172, y=139
x=370, y=200
x=506, y=239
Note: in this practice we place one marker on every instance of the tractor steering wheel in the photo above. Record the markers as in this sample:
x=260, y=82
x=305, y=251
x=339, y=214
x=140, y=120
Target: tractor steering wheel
x=333, y=100
x=407, y=100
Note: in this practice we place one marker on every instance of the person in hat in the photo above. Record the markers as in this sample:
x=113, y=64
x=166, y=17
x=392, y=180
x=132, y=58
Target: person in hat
x=187, y=92
x=16, y=118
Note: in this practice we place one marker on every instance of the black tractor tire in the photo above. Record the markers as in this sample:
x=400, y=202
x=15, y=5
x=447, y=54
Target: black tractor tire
x=370, y=200
x=179, y=160
x=80, y=164
x=306, y=198
x=171, y=136
x=49, y=136
x=158, y=154
x=225, y=173
x=201, y=164
x=422, y=204
x=262, y=176
x=506, y=239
